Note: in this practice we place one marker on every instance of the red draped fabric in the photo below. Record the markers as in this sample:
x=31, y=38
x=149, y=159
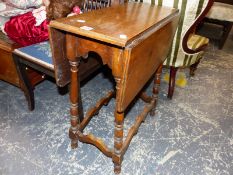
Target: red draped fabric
x=22, y=29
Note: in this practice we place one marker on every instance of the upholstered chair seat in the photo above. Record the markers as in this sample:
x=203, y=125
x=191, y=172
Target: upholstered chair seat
x=194, y=42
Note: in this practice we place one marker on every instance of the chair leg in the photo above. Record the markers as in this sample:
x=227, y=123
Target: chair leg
x=172, y=80
x=226, y=30
x=193, y=68
x=25, y=82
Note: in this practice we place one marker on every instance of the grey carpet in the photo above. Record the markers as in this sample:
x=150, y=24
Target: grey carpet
x=191, y=134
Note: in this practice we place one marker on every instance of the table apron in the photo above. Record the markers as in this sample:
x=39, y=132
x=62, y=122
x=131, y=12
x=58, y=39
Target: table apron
x=131, y=66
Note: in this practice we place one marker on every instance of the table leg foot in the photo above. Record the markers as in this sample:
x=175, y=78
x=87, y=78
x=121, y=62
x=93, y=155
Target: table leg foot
x=117, y=168
x=74, y=143
x=152, y=113
x=73, y=139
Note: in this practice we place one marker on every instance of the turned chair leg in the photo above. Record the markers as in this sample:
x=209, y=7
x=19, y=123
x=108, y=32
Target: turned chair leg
x=193, y=68
x=26, y=84
x=172, y=81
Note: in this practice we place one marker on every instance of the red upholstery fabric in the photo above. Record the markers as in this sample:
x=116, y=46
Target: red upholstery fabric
x=22, y=29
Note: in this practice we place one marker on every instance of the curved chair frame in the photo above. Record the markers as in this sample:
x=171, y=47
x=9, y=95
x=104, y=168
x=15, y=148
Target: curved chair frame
x=192, y=29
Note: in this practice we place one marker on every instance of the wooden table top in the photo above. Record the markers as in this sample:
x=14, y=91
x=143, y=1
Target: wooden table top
x=117, y=25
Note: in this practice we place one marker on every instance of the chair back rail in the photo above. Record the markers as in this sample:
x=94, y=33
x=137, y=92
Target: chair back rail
x=90, y=5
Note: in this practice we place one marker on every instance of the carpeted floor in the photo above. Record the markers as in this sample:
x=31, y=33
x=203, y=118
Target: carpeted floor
x=191, y=134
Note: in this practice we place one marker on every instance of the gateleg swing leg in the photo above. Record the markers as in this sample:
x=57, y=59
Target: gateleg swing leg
x=155, y=90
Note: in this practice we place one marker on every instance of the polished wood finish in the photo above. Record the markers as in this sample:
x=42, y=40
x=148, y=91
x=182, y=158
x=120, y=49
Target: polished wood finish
x=63, y=75
x=132, y=40
x=109, y=26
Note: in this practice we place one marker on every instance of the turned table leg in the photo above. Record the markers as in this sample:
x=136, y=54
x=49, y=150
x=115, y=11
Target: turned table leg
x=75, y=96
x=156, y=84
x=118, y=141
x=74, y=99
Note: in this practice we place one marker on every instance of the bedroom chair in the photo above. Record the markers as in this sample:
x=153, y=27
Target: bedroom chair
x=38, y=57
x=221, y=14
x=187, y=47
